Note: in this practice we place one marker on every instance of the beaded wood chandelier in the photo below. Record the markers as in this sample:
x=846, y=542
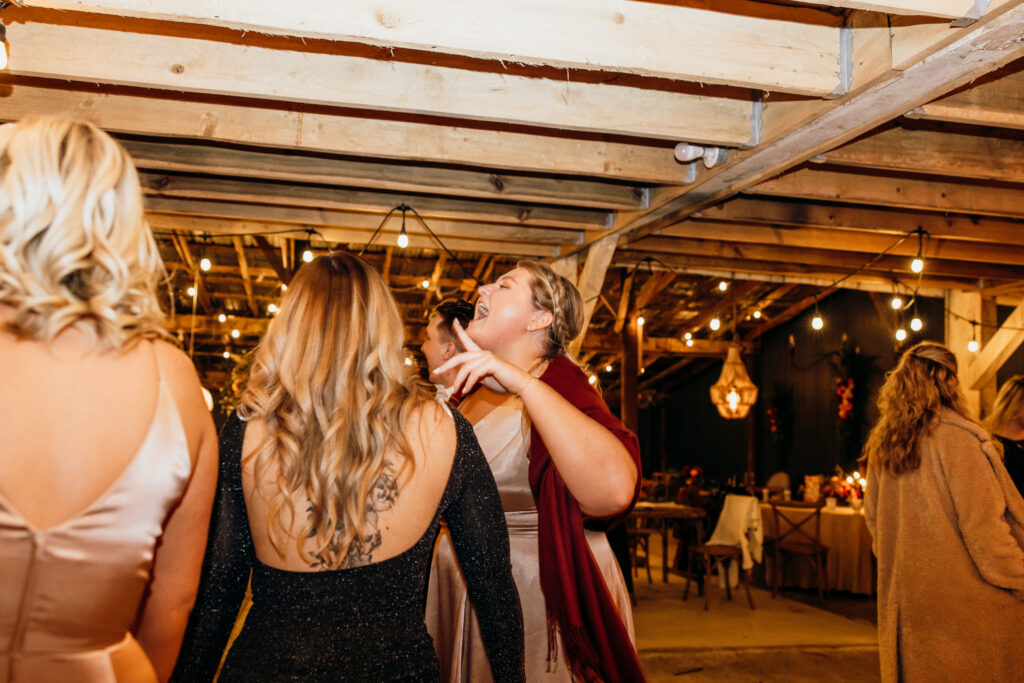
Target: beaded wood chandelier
x=733, y=394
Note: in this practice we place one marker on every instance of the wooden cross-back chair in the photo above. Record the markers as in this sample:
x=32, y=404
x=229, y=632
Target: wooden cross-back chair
x=800, y=536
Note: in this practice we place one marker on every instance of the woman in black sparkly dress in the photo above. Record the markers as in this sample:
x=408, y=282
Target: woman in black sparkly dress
x=335, y=474
x=1006, y=422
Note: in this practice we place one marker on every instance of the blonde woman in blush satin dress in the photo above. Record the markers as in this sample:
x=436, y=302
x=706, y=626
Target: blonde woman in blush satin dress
x=517, y=325
x=108, y=457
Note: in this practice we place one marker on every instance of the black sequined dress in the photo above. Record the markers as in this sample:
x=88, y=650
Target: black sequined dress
x=358, y=624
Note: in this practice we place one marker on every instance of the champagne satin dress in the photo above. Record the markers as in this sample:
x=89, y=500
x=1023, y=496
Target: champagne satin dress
x=504, y=436
x=70, y=594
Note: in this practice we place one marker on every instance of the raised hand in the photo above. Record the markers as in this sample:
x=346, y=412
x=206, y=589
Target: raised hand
x=475, y=365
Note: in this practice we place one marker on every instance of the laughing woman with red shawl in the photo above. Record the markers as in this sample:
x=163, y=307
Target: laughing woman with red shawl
x=559, y=457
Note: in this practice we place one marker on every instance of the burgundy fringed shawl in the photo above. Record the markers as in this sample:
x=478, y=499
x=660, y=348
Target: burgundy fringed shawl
x=597, y=645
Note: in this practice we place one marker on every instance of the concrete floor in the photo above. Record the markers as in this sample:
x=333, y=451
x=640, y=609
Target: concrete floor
x=780, y=640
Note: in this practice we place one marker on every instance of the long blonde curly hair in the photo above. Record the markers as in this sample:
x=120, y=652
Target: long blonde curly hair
x=330, y=383
x=75, y=249
x=924, y=381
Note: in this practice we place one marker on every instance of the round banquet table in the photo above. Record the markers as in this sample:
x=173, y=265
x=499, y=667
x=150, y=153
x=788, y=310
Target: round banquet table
x=848, y=565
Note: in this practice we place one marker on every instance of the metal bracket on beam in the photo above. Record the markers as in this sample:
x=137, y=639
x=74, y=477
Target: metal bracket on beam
x=973, y=14
x=756, y=119
x=845, y=60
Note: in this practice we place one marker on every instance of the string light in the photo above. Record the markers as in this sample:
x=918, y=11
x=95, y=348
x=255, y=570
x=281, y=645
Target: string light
x=284, y=287
x=896, y=303
x=235, y=334
x=205, y=264
x=757, y=315
x=307, y=256
x=901, y=334
x=916, y=324
x=425, y=284
x=689, y=342
x=403, y=239
x=917, y=265
x=271, y=308
x=191, y=291
x=688, y=336
x=227, y=354
x=640, y=321
x=723, y=285
x=408, y=361
x=817, y=323
x=592, y=379
x=715, y=324
x=972, y=346
x=222, y=318
x=608, y=368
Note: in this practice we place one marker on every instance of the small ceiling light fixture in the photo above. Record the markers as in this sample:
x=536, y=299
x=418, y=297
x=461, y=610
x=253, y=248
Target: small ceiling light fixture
x=917, y=265
x=608, y=368
x=222, y=318
x=916, y=324
x=592, y=379
x=723, y=285
x=227, y=354
x=235, y=334
x=817, y=323
x=688, y=336
x=425, y=284
x=271, y=308
x=757, y=315
x=640, y=321
x=685, y=152
x=403, y=236
x=901, y=334
x=896, y=303
x=689, y=342
x=191, y=291
x=307, y=255
x=973, y=345
x=205, y=265
x=715, y=324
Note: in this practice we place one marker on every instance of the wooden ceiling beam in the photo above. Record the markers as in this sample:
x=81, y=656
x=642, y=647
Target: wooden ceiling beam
x=816, y=184
x=232, y=68
x=997, y=102
x=624, y=298
x=800, y=130
x=236, y=163
x=269, y=253
x=216, y=226
x=310, y=196
x=243, y=267
x=182, y=247
x=607, y=343
x=944, y=9
x=835, y=239
x=301, y=127
x=606, y=35
x=652, y=287
x=771, y=271
x=953, y=154
x=760, y=210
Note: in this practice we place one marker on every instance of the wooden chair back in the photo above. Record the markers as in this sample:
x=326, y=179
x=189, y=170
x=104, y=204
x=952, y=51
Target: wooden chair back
x=799, y=529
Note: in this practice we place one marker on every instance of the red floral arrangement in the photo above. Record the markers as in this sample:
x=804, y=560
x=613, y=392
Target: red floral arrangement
x=844, y=488
x=844, y=394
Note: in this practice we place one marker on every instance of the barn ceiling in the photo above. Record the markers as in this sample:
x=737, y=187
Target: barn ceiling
x=817, y=135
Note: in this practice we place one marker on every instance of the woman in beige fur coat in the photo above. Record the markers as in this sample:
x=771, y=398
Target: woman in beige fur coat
x=948, y=529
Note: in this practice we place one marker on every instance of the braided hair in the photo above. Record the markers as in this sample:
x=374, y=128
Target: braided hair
x=553, y=293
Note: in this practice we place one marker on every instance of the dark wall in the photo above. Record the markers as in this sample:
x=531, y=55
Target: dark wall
x=795, y=372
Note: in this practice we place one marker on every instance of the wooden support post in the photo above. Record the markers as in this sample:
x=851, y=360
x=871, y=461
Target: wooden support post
x=624, y=299
x=989, y=325
x=275, y=260
x=628, y=402
x=243, y=267
x=567, y=267
x=983, y=367
x=961, y=309
x=599, y=256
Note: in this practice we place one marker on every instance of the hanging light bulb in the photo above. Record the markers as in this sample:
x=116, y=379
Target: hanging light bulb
x=757, y=315
x=608, y=368
x=307, y=255
x=271, y=308
x=191, y=291
x=817, y=323
x=715, y=324
x=901, y=334
x=408, y=361
x=222, y=318
x=227, y=354
x=972, y=346
x=205, y=264
x=425, y=284
x=689, y=342
x=592, y=379
x=916, y=324
x=688, y=336
x=235, y=334
x=917, y=265
x=284, y=287
x=403, y=239
x=723, y=285
x=640, y=321
x=896, y=303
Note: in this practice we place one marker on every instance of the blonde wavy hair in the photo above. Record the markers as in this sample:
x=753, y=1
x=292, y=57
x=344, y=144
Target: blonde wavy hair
x=1008, y=406
x=75, y=249
x=555, y=294
x=923, y=382
x=330, y=382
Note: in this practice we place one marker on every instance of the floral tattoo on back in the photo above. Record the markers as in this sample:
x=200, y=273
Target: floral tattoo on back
x=382, y=497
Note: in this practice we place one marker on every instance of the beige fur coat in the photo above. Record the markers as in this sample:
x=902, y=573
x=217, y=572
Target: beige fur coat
x=949, y=538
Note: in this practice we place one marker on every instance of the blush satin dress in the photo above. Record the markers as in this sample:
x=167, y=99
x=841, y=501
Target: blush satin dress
x=504, y=436
x=70, y=594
